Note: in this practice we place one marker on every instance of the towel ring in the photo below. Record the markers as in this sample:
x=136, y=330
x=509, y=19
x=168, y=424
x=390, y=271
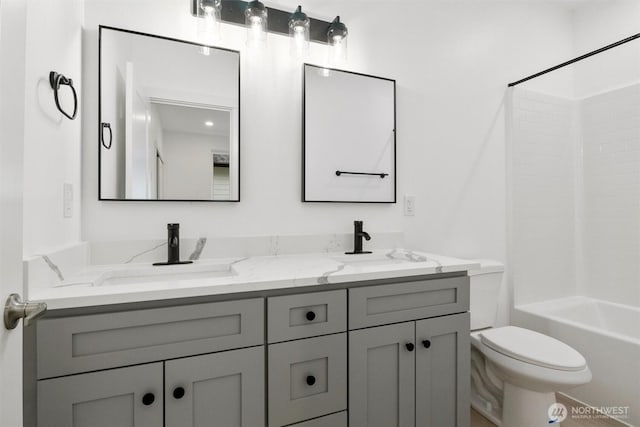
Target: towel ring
x=56, y=80
x=104, y=126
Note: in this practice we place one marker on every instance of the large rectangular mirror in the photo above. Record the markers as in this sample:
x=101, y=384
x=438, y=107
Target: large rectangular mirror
x=169, y=119
x=349, y=144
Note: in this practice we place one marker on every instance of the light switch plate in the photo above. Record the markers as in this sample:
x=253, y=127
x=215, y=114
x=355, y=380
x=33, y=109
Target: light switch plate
x=409, y=205
x=68, y=200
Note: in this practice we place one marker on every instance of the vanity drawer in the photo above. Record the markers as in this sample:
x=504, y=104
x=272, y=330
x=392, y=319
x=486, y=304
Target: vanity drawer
x=333, y=420
x=77, y=344
x=384, y=304
x=307, y=379
x=306, y=315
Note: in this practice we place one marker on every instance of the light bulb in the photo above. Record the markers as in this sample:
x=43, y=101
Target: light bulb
x=299, y=33
x=209, y=23
x=337, y=39
x=256, y=20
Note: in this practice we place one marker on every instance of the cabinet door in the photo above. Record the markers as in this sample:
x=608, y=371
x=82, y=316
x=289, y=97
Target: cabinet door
x=216, y=390
x=382, y=376
x=442, y=371
x=126, y=397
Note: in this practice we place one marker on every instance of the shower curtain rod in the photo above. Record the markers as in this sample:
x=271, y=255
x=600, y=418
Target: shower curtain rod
x=579, y=58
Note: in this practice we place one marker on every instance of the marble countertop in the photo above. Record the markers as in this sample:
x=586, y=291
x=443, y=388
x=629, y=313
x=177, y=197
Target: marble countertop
x=138, y=282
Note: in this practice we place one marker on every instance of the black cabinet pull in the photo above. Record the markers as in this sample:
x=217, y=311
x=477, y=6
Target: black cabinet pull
x=426, y=343
x=310, y=316
x=148, y=399
x=410, y=346
x=178, y=393
x=311, y=380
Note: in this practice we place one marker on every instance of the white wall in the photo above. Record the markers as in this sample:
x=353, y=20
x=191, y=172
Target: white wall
x=52, y=148
x=188, y=164
x=451, y=60
x=598, y=24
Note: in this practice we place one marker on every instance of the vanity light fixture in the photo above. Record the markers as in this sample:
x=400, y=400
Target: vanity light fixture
x=260, y=19
x=337, y=38
x=299, y=32
x=256, y=19
x=208, y=123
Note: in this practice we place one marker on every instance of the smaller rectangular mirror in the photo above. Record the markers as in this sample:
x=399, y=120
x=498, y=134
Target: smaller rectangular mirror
x=349, y=138
x=169, y=119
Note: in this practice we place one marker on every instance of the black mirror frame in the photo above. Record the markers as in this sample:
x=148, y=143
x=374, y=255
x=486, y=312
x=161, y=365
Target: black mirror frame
x=100, y=128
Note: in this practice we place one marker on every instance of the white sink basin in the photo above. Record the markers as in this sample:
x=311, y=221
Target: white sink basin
x=163, y=273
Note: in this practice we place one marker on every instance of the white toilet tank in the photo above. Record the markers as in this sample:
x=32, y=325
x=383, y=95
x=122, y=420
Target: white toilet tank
x=485, y=288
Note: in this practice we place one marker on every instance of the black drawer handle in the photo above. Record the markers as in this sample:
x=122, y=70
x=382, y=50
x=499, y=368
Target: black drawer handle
x=311, y=380
x=426, y=343
x=310, y=316
x=178, y=393
x=148, y=399
x=410, y=346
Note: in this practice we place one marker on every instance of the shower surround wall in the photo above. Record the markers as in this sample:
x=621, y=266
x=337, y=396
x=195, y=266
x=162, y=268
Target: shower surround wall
x=611, y=229
x=543, y=178
x=576, y=196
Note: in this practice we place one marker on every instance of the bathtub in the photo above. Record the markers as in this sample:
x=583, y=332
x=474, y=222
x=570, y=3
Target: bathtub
x=608, y=336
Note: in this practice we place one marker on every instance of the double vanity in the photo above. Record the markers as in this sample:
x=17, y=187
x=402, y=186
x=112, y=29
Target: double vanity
x=311, y=340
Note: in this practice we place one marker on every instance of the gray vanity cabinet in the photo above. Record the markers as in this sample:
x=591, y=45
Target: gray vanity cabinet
x=410, y=374
x=410, y=366
x=216, y=390
x=125, y=397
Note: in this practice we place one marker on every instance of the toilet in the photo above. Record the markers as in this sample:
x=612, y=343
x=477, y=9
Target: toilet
x=515, y=372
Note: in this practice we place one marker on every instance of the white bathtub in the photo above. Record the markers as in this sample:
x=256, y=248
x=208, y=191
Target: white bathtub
x=607, y=335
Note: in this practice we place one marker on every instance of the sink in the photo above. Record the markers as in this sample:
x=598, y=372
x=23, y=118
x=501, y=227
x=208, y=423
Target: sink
x=166, y=273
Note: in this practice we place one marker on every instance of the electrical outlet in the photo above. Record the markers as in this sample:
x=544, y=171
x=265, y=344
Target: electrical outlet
x=409, y=205
x=67, y=200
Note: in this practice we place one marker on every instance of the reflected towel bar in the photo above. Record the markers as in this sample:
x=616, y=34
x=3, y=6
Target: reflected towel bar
x=381, y=175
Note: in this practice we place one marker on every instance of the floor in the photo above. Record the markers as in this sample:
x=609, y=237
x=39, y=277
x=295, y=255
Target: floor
x=478, y=420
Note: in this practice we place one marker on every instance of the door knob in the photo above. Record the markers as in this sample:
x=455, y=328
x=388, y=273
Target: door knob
x=410, y=346
x=426, y=343
x=16, y=309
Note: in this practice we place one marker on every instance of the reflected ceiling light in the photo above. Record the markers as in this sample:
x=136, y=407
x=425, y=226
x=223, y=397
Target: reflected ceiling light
x=256, y=19
x=209, y=22
x=208, y=123
x=299, y=32
x=337, y=38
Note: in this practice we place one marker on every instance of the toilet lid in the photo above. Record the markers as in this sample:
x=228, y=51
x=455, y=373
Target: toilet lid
x=533, y=347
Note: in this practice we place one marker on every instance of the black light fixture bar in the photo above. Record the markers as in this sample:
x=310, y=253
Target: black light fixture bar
x=232, y=12
x=574, y=60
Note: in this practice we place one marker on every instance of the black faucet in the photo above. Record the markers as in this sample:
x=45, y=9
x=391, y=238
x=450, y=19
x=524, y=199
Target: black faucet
x=173, y=246
x=358, y=234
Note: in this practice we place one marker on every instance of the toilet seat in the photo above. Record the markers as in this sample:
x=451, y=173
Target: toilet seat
x=534, y=348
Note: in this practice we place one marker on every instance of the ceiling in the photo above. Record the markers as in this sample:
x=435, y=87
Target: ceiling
x=187, y=119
